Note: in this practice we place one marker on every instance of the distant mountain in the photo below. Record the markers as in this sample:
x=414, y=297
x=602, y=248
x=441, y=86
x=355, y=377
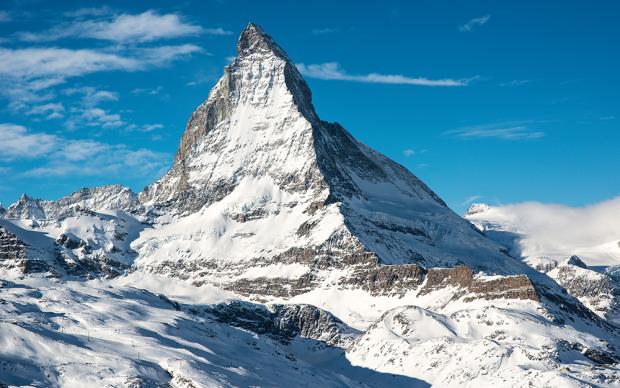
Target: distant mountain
x=280, y=251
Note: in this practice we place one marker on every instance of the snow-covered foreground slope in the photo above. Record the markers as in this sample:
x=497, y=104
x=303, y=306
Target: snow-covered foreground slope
x=109, y=333
x=94, y=334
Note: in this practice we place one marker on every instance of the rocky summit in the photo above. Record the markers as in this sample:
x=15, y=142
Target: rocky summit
x=280, y=251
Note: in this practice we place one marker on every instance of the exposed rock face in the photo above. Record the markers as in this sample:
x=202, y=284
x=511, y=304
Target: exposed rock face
x=400, y=279
x=12, y=251
x=285, y=322
x=577, y=262
x=598, y=291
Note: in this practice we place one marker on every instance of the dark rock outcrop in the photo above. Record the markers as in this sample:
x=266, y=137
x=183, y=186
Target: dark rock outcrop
x=399, y=279
x=283, y=322
x=13, y=251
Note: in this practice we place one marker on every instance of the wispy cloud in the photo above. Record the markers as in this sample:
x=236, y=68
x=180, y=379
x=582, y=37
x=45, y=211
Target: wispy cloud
x=91, y=96
x=55, y=64
x=323, y=31
x=475, y=22
x=513, y=131
x=27, y=74
x=515, y=82
x=90, y=111
x=409, y=152
x=147, y=91
x=151, y=127
x=49, y=110
x=59, y=156
x=216, y=31
x=471, y=199
x=124, y=28
x=91, y=11
x=4, y=17
x=19, y=143
x=333, y=71
x=99, y=159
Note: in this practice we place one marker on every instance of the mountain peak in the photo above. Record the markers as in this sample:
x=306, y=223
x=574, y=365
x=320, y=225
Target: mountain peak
x=477, y=208
x=254, y=39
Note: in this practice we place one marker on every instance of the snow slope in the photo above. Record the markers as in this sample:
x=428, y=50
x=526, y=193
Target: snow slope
x=95, y=334
x=110, y=333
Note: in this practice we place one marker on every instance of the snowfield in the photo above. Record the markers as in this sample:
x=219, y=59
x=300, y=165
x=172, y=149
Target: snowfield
x=108, y=333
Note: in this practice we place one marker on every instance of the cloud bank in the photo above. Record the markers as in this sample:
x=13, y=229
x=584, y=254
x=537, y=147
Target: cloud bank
x=592, y=232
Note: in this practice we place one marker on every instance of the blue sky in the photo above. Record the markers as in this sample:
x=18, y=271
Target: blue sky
x=486, y=101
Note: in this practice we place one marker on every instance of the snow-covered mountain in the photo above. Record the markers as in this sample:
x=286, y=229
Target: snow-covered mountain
x=260, y=181
x=278, y=250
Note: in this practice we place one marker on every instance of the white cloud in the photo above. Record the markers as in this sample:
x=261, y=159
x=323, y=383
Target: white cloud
x=163, y=55
x=92, y=96
x=145, y=27
x=101, y=118
x=333, y=71
x=592, y=232
x=27, y=74
x=505, y=131
x=88, y=113
x=19, y=143
x=409, y=152
x=475, y=22
x=60, y=156
x=151, y=127
x=49, y=110
x=55, y=64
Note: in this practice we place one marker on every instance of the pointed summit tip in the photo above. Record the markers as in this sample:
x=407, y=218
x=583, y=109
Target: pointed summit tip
x=254, y=39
